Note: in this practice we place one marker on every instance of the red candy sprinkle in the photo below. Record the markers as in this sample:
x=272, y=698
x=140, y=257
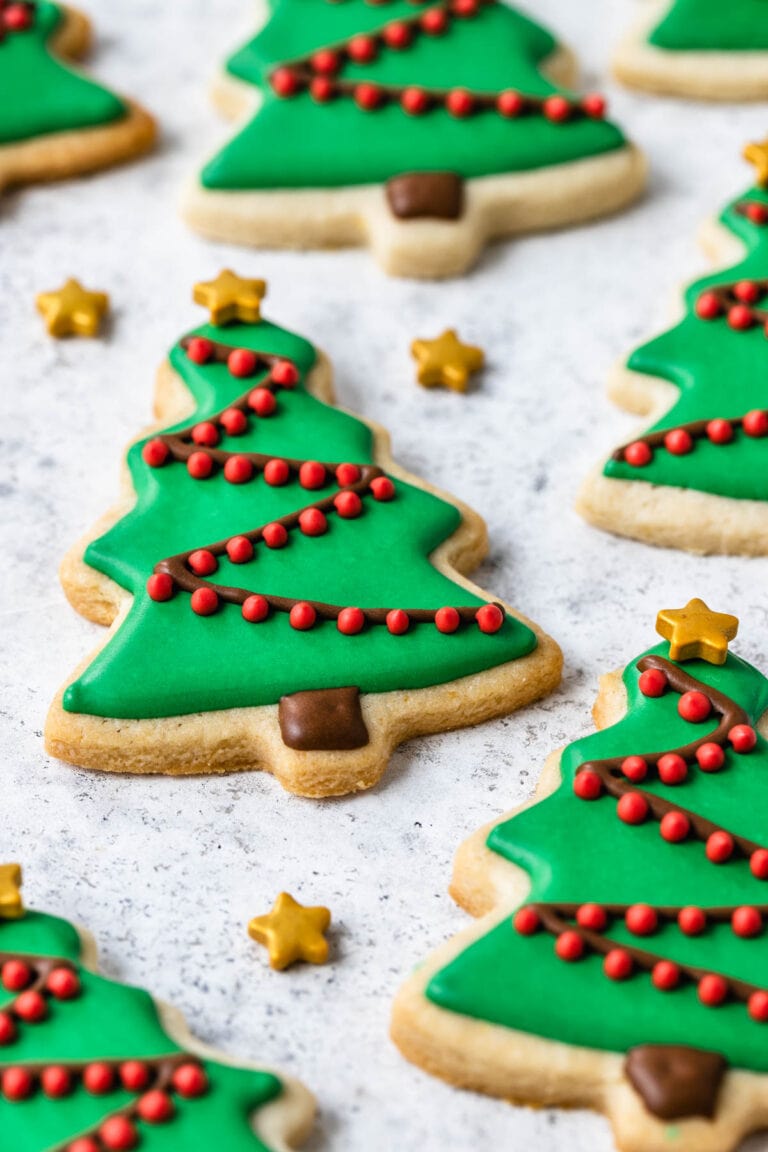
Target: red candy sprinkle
x=276, y=473
x=510, y=103
x=594, y=105
x=255, y=609
x=63, y=984
x=747, y=921
x=200, y=350
x=743, y=738
x=593, y=917
x=17, y=17
x=155, y=1107
x=361, y=49
x=262, y=402
x=634, y=768
x=368, y=96
x=694, y=707
x=204, y=601
x=618, y=964
x=238, y=470
x=348, y=505
x=284, y=82
x=200, y=465
x=397, y=35
x=757, y=1006
x=382, y=488
x=347, y=474
x=414, y=101
x=325, y=61
x=313, y=522
x=526, y=921
x=242, y=362
x=274, y=535
x=17, y=1084
x=672, y=769
x=205, y=434
x=31, y=1007
x=587, y=784
x=719, y=847
x=160, y=587
x=757, y=213
x=755, y=423
x=312, y=475
x=489, y=618
x=302, y=616
x=632, y=808
x=240, y=550
x=84, y=1144
x=15, y=975
x=398, y=622
x=435, y=21
x=691, y=921
x=7, y=1029
x=740, y=317
x=665, y=975
x=653, y=682
x=350, y=621
x=569, y=946
x=674, y=827
x=189, y=1080
x=557, y=109
x=322, y=89
x=98, y=1079
x=641, y=920
x=285, y=373
x=447, y=620
x=747, y=291
x=118, y=1134
x=638, y=454
x=678, y=442
x=465, y=7
x=202, y=562
x=710, y=757
x=55, y=1081
x=155, y=453
x=720, y=431
x=758, y=864
x=233, y=421
x=712, y=990
x=134, y=1075
x=708, y=306
x=460, y=102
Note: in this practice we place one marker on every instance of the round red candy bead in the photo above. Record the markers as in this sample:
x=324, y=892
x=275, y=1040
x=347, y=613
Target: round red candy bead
x=205, y=434
x=242, y=362
x=200, y=350
x=63, y=984
x=397, y=35
x=240, y=550
x=15, y=975
x=710, y=757
x=204, y=601
x=398, y=622
x=414, y=101
x=755, y=423
x=447, y=620
x=740, y=317
x=592, y=916
x=632, y=808
x=747, y=291
x=587, y=784
x=284, y=82
x=322, y=89
x=7, y=1029
x=641, y=920
x=155, y=1107
x=200, y=465
x=262, y=402
x=382, y=488
x=155, y=453
x=17, y=1083
x=350, y=621
x=17, y=17
x=665, y=975
x=674, y=827
x=31, y=1007
x=758, y=864
x=348, y=505
x=202, y=562
x=285, y=373
x=98, y=1078
x=719, y=847
x=720, y=431
x=368, y=96
x=347, y=474
x=460, y=102
x=312, y=475
x=694, y=707
x=276, y=473
x=160, y=587
x=746, y=921
x=691, y=920
x=326, y=61
x=712, y=990
x=489, y=618
x=708, y=306
x=464, y=7
x=435, y=21
x=274, y=535
x=557, y=109
x=653, y=682
x=756, y=212
x=526, y=921
x=743, y=738
x=238, y=470
x=639, y=454
x=594, y=105
x=255, y=609
x=135, y=1075
x=84, y=1144
x=757, y=1006
x=55, y=1081
x=672, y=769
x=313, y=522
x=678, y=442
x=510, y=103
x=118, y=1134
x=634, y=768
x=361, y=49
x=189, y=1080
x=302, y=616
x=618, y=964
x=569, y=946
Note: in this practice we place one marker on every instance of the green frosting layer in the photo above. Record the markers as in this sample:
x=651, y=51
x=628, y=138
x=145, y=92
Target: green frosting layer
x=712, y=25
x=166, y=661
x=39, y=94
x=577, y=851
x=720, y=373
x=298, y=143
x=112, y=1021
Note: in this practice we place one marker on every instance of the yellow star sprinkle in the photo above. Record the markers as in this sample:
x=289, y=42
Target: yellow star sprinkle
x=446, y=361
x=230, y=297
x=73, y=310
x=292, y=932
x=695, y=632
x=757, y=154
x=11, y=906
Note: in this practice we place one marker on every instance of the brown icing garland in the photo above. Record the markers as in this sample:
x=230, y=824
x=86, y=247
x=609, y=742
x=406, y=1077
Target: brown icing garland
x=323, y=720
x=696, y=429
x=676, y=1082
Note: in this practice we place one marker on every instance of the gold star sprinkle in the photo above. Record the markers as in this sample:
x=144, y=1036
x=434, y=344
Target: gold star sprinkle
x=73, y=310
x=695, y=632
x=11, y=906
x=757, y=154
x=291, y=932
x=229, y=297
x=446, y=361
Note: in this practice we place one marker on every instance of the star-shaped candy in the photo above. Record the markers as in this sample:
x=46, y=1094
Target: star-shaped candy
x=11, y=905
x=73, y=310
x=230, y=297
x=291, y=932
x=446, y=361
x=757, y=154
x=695, y=632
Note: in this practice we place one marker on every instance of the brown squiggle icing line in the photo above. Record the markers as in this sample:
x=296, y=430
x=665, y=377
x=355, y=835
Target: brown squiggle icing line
x=696, y=429
x=616, y=784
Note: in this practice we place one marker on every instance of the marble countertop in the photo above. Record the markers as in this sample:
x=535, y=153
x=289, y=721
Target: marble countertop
x=166, y=873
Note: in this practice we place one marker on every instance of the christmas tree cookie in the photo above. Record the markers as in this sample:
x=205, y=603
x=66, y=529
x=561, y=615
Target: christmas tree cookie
x=89, y=1065
x=54, y=121
x=697, y=479
x=621, y=963
x=705, y=49
x=423, y=128
x=282, y=595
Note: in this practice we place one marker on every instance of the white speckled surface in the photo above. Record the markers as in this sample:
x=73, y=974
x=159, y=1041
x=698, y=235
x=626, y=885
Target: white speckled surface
x=167, y=873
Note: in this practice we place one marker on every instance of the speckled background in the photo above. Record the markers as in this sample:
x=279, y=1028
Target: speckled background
x=167, y=873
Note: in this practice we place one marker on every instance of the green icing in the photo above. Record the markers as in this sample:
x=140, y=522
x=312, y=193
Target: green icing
x=113, y=1021
x=711, y=25
x=39, y=94
x=298, y=143
x=720, y=373
x=165, y=661
x=576, y=851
